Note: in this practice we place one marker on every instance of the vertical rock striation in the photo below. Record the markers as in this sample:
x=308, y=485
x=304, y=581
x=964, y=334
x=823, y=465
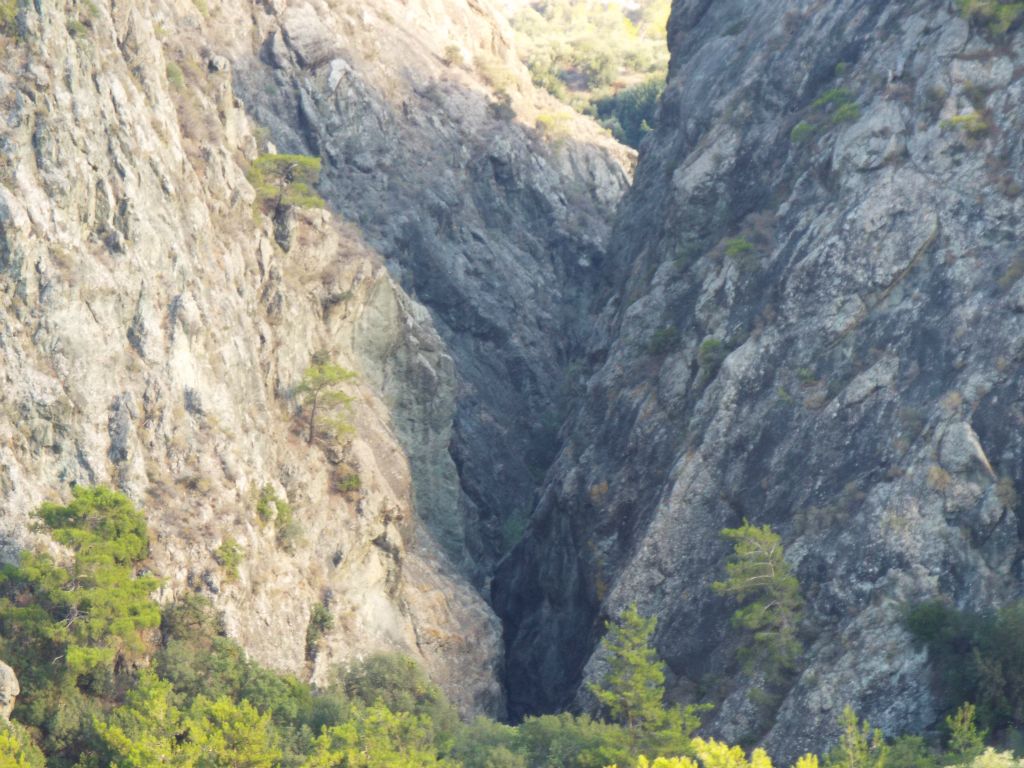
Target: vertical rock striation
x=817, y=325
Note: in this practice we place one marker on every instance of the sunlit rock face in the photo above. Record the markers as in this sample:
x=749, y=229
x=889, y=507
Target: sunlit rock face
x=154, y=322
x=817, y=326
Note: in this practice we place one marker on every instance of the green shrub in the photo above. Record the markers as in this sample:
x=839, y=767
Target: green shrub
x=8, y=17
x=742, y=253
x=846, y=113
x=348, y=483
x=978, y=657
x=175, y=77
x=802, y=132
x=972, y=123
x=229, y=556
x=77, y=29
x=630, y=112
x=711, y=354
x=320, y=623
x=834, y=97
x=453, y=56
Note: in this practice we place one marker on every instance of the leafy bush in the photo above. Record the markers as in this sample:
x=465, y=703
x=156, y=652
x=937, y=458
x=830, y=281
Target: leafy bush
x=175, y=77
x=802, y=132
x=320, y=623
x=229, y=556
x=711, y=354
x=348, y=483
x=972, y=123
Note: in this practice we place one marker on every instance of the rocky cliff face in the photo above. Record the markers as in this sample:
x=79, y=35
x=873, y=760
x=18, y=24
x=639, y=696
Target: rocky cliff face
x=153, y=323
x=424, y=119
x=818, y=326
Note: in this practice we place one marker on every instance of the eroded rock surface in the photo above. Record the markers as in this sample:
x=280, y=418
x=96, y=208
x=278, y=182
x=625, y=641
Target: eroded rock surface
x=819, y=327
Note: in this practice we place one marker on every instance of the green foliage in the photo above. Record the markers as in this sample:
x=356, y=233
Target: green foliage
x=320, y=390
x=175, y=77
x=569, y=741
x=150, y=729
x=320, y=623
x=979, y=657
x=8, y=17
x=92, y=612
x=76, y=28
x=997, y=15
x=398, y=683
x=17, y=750
x=285, y=181
x=742, y=253
x=847, y=113
x=759, y=578
x=374, y=736
x=966, y=742
x=229, y=556
x=834, y=97
x=271, y=508
x=632, y=692
x=348, y=483
x=710, y=355
x=802, y=132
x=859, y=746
x=663, y=341
x=972, y=123
x=634, y=686
x=70, y=628
x=583, y=53
x=629, y=113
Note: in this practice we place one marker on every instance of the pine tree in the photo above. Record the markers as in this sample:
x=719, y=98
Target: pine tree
x=286, y=181
x=633, y=690
x=966, y=742
x=759, y=578
x=320, y=390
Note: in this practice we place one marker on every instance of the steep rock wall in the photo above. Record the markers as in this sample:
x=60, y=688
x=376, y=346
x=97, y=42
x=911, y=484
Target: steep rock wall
x=152, y=330
x=425, y=121
x=818, y=326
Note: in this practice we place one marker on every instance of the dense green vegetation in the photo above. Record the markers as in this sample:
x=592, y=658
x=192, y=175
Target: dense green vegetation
x=109, y=678
x=979, y=658
x=604, y=59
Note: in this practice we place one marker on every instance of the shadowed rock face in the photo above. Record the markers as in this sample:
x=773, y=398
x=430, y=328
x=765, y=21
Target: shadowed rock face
x=818, y=326
x=499, y=232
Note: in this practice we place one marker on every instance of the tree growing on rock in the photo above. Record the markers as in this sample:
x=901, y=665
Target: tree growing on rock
x=759, y=578
x=322, y=397
x=285, y=181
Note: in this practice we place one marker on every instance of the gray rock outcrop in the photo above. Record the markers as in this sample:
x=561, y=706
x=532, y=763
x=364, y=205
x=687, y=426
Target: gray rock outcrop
x=818, y=326
x=9, y=690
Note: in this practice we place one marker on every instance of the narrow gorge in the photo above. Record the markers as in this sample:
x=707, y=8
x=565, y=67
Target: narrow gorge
x=799, y=303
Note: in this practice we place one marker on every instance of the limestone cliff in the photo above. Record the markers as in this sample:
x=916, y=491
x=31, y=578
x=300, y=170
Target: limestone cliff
x=818, y=326
x=153, y=323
